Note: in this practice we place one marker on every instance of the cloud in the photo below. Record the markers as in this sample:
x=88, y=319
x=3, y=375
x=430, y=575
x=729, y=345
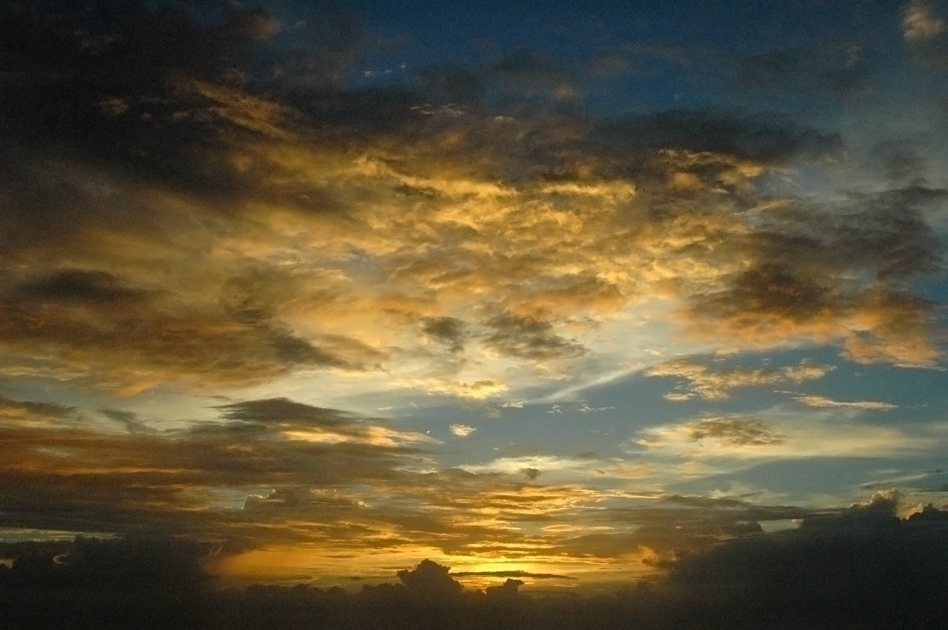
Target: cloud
x=126, y=564
x=284, y=412
x=430, y=580
x=525, y=72
x=755, y=139
x=129, y=420
x=921, y=23
x=446, y=330
x=824, y=402
x=462, y=430
x=871, y=571
x=17, y=413
x=716, y=384
x=779, y=435
x=843, y=285
x=346, y=230
x=478, y=390
x=837, y=68
x=296, y=421
x=733, y=432
x=319, y=226
x=76, y=286
x=530, y=338
x=514, y=574
x=130, y=338
x=197, y=199
x=69, y=477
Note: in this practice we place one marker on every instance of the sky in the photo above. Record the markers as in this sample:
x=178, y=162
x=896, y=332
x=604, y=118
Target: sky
x=574, y=292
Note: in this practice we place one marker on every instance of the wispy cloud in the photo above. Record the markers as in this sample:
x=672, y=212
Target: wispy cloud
x=825, y=402
x=780, y=434
x=712, y=384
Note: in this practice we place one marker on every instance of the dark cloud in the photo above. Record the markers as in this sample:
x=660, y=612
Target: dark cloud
x=525, y=72
x=839, y=68
x=767, y=140
x=458, y=85
x=728, y=586
x=148, y=91
x=514, y=574
x=898, y=160
x=132, y=338
x=773, y=66
x=129, y=420
x=848, y=570
x=106, y=583
x=837, y=272
x=883, y=233
x=892, y=233
x=284, y=453
x=772, y=289
x=27, y=410
x=118, y=563
x=78, y=286
x=446, y=330
x=529, y=338
x=734, y=431
x=430, y=580
x=285, y=412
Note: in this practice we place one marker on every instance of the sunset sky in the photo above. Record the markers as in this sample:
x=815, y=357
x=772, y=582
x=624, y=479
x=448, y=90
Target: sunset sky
x=571, y=290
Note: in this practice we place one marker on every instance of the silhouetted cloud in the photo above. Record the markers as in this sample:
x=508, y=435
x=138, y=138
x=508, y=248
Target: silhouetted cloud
x=859, y=566
x=514, y=574
x=430, y=580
